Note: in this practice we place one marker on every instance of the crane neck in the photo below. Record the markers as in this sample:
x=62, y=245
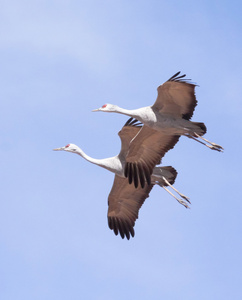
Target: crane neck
x=128, y=112
x=139, y=114
x=92, y=160
x=112, y=164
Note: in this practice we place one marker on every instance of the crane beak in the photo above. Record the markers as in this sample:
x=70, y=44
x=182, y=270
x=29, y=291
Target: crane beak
x=98, y=109
x=59, y=149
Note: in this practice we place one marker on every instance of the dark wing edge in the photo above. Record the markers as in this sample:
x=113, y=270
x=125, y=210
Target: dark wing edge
x=133, y=122
x=180, y=78
x=124, y=203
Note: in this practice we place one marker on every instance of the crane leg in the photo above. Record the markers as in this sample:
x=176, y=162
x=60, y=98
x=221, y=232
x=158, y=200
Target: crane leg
x=216, y=146
x=171, y=186
x=179, y=200
x=212, y=146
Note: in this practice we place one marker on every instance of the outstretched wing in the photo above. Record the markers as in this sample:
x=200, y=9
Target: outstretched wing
x=127, y=133
x=176, y=97
x=145, y=152
x=124, y=202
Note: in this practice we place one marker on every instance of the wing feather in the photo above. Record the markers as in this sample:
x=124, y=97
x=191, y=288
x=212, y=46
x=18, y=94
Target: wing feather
x=176, y=97
x=127, y=133
x=145, y=152
x=124, y=202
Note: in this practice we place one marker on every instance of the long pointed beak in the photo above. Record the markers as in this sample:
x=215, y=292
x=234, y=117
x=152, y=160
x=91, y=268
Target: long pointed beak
x=59, y=149
x=97, y=109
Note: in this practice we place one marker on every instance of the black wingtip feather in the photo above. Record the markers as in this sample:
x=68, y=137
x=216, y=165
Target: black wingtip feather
x=110, y=225
x=141, y=176
x=126, y=229
x=147, y=173
x=133, y=122
x=115, y=228
x=130, y=174
x=180, y=78
x=122, y=227
x=128, y=122
x=136, y=178
x=174, y=76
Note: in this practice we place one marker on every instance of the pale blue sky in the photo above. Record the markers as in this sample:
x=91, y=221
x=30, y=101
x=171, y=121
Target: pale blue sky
x=61, y=59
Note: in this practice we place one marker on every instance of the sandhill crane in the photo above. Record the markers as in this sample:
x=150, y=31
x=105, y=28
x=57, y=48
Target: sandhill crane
x=170, y=115
x=125, y=200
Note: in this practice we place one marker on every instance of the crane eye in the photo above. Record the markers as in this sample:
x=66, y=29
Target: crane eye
x=67, y=146
x=104, y=105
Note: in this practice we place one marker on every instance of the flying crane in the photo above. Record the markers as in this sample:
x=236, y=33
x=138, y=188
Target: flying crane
x=169, y=116
x=126, y=199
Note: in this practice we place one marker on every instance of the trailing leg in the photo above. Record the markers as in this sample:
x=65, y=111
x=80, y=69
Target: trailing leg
x=212, y=146
x=171, y=186
x=179, y=200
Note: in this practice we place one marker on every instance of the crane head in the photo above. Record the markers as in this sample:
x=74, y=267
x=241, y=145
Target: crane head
x=107, y=107
x=68, y=147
